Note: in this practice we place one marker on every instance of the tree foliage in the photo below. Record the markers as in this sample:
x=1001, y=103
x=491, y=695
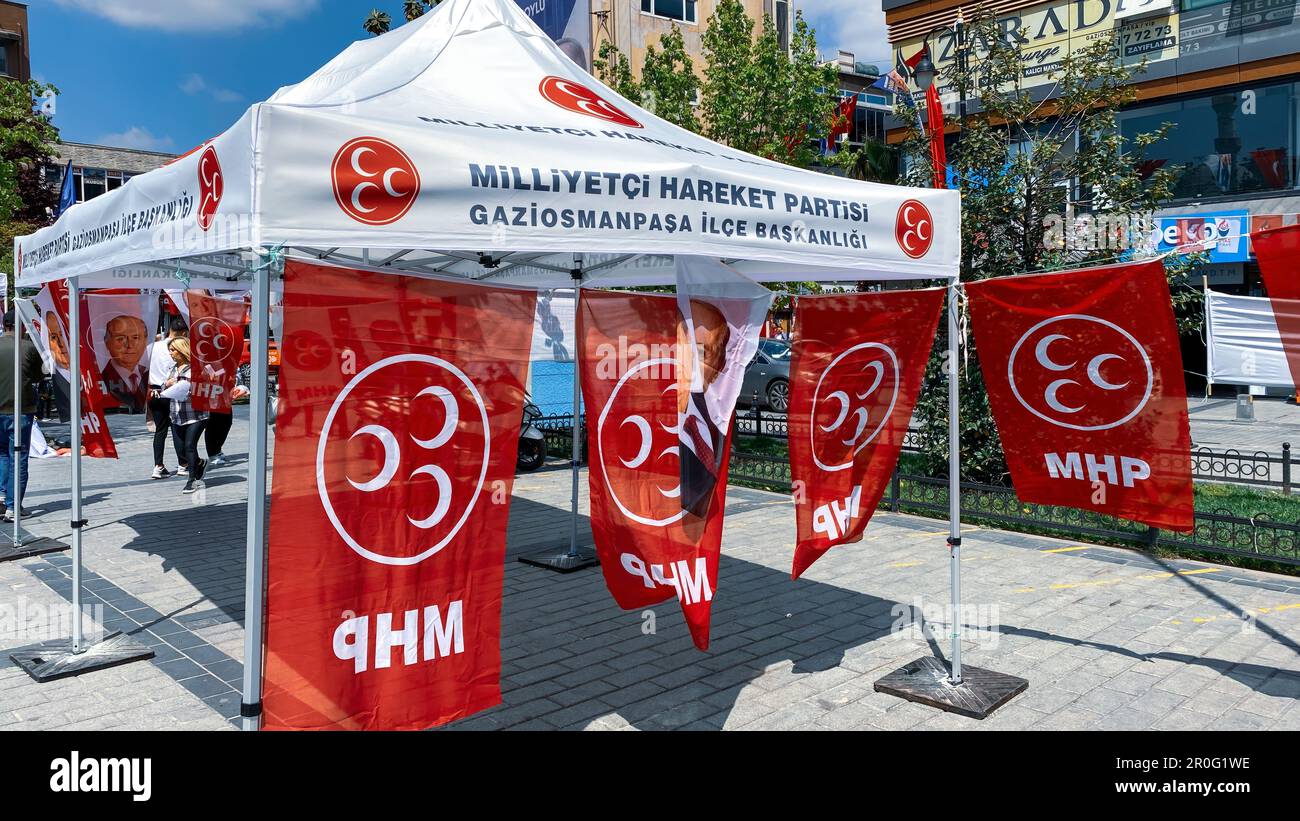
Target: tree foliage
x=27, y=143
x=381, y=22
x=1030, y=174
x=756, y=97
x=669, y=84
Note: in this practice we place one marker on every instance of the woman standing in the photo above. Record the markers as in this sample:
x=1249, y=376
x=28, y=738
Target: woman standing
x=184, y=418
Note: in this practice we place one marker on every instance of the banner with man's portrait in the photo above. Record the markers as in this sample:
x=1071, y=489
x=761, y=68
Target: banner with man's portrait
x=121, y=329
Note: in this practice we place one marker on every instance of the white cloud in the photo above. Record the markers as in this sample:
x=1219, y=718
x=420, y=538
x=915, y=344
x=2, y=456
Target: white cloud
x=195, y=84
x=194, y=15
x=852, y=25
x=137, y=137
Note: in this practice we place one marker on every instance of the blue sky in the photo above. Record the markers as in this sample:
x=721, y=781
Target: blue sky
x=168, y=74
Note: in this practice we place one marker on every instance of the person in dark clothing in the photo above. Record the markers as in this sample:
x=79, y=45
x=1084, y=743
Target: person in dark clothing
x=160, y=369
x=31, y=374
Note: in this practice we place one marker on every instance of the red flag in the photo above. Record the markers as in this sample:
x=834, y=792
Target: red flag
x=912, y=61
x=217, y=341
x=651, y=548
x=1085, y=380
x=842, y=121
x=95, y=436
x=395, y=446
x=934, y=125
x=857, y=368
x=1278, y=252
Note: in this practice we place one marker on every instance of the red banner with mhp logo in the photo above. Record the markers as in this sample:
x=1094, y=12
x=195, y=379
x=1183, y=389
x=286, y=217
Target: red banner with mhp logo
x=53, y=320
x=1278, y=250
x=857, y=369
x=396, y=439
x=216, y=343
x=652, y=547
x=1085, y=379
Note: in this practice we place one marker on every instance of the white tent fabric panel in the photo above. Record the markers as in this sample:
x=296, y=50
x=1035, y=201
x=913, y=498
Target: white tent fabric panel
x=1245, y=347
x=466, y=144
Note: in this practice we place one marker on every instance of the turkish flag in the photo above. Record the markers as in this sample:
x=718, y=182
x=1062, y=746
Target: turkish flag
x=1278, y=252
x=938, y=153
x=856, y=372
x=651, y=547
x=1085, y=380
x=216, y=342
x=396, y=440
x=53, y=299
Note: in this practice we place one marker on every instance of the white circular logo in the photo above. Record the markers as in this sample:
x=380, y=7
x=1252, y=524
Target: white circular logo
x=652, y=392
x=854, y=398
x=414, y=408
x=1080, y=372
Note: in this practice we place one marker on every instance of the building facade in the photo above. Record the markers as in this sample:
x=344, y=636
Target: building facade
x=1225, y=74
x=632, y=25
x=98, y=169
x=15, y=45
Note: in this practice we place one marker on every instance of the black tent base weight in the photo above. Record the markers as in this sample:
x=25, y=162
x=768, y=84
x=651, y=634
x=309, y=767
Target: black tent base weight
x=54, y=659
x=29, y=547
x=561, y=559
x=925, y=681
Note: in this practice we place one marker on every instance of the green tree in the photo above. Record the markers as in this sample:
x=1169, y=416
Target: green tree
x=669, y=84
x=756, y=96
x=27, y=143
x=1026, y=169
x=873, y=162
x=612, y=68
x=380, y=22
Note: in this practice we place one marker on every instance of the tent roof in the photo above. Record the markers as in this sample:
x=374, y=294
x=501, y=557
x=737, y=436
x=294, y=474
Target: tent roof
x=466, y=144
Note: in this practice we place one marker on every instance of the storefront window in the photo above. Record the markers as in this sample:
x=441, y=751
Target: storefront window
x=1225, y=142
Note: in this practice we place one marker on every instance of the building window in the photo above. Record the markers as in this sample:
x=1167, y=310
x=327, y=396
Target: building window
x=4, y=59
x=683, y=10
x=1225, y=142
x=94, y=182
x=783, y=23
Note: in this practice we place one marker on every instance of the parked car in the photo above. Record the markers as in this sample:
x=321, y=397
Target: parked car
x=767, y=377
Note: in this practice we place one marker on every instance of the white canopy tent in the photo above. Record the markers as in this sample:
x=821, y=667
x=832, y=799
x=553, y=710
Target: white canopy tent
x=465, y=144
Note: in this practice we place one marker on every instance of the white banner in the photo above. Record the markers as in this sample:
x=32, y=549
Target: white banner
x=1244, y=345
x=502, y=167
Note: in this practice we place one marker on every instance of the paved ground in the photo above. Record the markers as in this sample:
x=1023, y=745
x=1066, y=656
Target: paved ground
x=1108, y=638
x=1215, y=425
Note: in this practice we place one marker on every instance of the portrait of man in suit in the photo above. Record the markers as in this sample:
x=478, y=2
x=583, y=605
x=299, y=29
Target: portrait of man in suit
x=702, y=433
x=126, y=375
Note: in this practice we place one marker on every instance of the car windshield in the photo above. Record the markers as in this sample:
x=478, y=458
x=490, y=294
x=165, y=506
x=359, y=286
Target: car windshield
x=775, y=349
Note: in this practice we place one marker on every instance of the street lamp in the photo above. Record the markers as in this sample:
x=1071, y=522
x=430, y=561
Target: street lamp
x=924, y=72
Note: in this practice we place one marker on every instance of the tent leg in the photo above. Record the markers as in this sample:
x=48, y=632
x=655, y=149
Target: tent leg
x=22, y=544
x=968, y=691
x=954, y=486
x=62, y=658
x=573, y=558
x=255, y=550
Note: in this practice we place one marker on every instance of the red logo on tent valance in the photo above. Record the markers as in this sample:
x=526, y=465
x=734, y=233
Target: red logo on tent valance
x=582, y=100
x=914, y=229
x=211, y=187
x=375, y=182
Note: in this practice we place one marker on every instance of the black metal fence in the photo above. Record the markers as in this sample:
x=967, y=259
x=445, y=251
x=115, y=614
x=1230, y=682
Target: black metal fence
x=1260, y=537
x=1219, y=531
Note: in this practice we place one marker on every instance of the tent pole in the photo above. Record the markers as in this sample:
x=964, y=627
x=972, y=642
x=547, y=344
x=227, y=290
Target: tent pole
x=954, y=485
x=558, y=558
x=16, y=472
x=74, y=406
x=251, y=706
x=577, y=430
